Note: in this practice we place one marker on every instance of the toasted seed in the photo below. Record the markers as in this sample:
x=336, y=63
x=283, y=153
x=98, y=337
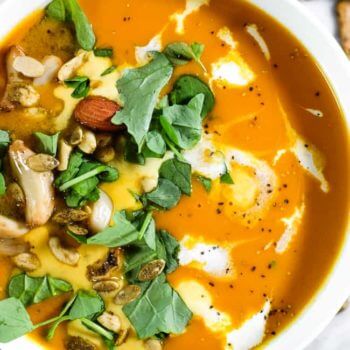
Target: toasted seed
x=64, y=152
x=69, y=68
x=16, y=194
x=68, y=216
x=76, y=137
x=110, y=321
x=88, y=144
x=42, y=162
x=78, y=343
x=127, y=294
x=153, y=344
x=26, y=261
x=28, y=66
x=106, y=269
x=78, y=230
x=104, y=140
x=122, y=336
x=107, y=286
x=68, y=256
x=105, y=154
x=151, y=270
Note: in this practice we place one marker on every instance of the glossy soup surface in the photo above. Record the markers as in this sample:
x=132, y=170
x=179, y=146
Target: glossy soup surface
x=277, y=117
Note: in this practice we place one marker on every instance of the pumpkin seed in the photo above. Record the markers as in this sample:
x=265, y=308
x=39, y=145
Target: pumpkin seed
x=42, y=162
x=105, y=154
x=107, y=286
x=78, y=230
x=26, y=261
x=16, y=194
x=127, y=294
x=151, y=270
x=67, y=216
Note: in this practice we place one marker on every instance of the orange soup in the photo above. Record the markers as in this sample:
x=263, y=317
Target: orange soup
x=172, y=176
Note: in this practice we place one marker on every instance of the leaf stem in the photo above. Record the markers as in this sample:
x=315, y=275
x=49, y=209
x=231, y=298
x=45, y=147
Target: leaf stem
x=100, y=169
x=145, y=224
x=173, y=148
x=96, y=328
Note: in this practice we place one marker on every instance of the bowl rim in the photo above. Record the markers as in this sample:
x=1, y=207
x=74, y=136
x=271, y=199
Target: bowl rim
x=295, y=17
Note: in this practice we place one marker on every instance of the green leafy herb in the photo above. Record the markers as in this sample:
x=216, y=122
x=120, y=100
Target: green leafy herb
x=69, y=10
x=150, y=235
x=172, y=248
x=81, y=86
x=159, y=310
x=47, y=143
x=14, y=320
x=155, y=146
x=138, y=254
x=179, y=173
x=122, y=233
x=180, y=53
x=87, y=304
x=139, y=90
x=4, y=142
x=107, y=336
x=207, y=183
x=131, y=153
x=2, y=185
x=33, y=290
x=189, y=86
x=83, y=28
x=226, y=177
x=57, y=10
x=183, y=123
x=166, y=195
x=103, y=52
x=80, y=180
x=108, y=71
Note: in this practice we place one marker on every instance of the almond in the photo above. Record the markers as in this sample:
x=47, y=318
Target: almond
x=96, y=112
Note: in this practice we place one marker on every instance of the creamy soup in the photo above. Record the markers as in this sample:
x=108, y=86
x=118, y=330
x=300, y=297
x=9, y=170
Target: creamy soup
x=173, y=176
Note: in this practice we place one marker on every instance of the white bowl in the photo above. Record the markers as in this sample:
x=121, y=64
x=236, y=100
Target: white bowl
x=336, y=67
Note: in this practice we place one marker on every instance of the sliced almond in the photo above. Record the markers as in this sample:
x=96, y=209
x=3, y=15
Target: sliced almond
x=67, y=256
x=127, y=294
x=51, y=65
x=42, y=162
x=28, y=66
x=110, y=321
x=26, y=261
x=151, y=270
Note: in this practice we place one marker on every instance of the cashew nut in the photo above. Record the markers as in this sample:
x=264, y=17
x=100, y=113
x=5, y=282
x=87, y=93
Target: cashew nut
x=68, y=256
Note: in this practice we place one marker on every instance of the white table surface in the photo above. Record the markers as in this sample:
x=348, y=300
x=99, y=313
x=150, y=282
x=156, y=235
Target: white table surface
x=337, y=335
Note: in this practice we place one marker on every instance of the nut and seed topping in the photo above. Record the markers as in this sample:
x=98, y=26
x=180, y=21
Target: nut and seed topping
x=26, y=261
x=68, y=256
x=108, y=286
x=42, y=162
x=68, y=216
x=151, y=270
x=78, y=230
x=127, y=294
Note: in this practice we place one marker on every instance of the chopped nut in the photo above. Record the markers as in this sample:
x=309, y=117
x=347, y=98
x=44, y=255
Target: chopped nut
x=107, y=286
x=16, y=195
x=42, y=162
x=64, y=152
x=88, y=144
x=105, y=154
x=153, y=344
x=28, y=66
x=101, y=213
x=127, y=294
x=68, y=216
x=26, y=261
x=122, y=336
x=149, y=183
x=78, y=343
x=151, y=270
x=78, y=230
x=51, y=64
x=24, y=94
x=110, y=321
x=343, y=9
x=76, y=137
x=68, y=256
x=103, y=140
x=69, y=68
